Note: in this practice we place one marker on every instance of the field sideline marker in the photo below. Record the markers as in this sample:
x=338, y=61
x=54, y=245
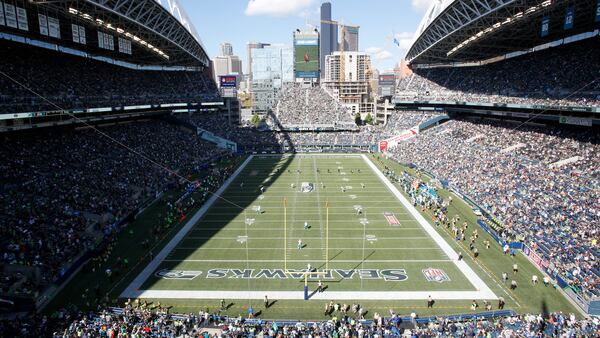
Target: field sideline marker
x=136, y=284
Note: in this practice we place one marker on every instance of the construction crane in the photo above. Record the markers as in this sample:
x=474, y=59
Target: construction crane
x=388, y=41
x=342, y=59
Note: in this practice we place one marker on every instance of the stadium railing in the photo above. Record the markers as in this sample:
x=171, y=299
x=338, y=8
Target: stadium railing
x=419, y=320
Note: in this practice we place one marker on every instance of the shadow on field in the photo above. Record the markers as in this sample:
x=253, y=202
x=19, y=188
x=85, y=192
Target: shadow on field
x=352, y=268
x=237, y=198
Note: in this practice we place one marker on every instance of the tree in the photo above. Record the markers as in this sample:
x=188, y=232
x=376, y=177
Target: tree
x=357, y=119
x=369, y=119
x=255, y=120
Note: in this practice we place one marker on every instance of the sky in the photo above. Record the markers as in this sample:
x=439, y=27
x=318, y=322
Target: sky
x=273, y=21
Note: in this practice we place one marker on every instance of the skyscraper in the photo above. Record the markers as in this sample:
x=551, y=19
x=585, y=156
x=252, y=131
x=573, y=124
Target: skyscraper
x=329, y=35
x=250, y=47
x=227, y=63
x=226, y=49
x=350, y=38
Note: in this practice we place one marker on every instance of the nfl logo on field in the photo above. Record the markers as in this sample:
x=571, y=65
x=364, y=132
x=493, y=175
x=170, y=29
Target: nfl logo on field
x=435, y=275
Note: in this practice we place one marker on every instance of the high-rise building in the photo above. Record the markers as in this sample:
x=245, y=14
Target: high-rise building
x=249, y=48
x=329, y=35
x=272, y=67
x=220, y=67
x=357, y=66
x=226, y=49
x=235, y=65
x=227, y=63
x=350, y=38
x=354, y=91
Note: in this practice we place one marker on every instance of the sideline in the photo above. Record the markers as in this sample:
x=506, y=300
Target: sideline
x=299, y=295
x=133, y=288
x=483, y=291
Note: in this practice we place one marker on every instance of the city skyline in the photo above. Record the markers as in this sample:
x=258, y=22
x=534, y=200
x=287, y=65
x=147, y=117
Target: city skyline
x=273, y=21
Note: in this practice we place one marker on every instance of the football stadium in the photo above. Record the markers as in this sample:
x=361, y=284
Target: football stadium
x=153, y=187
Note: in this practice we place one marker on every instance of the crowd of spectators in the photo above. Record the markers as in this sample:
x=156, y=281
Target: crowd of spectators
x=515, y=173
x=60, y=190
x=401, y=121
x=192, y=325
x=154, y=321
x=567, y=75
x=75, y=82
x=249, y=138
x=303, y=106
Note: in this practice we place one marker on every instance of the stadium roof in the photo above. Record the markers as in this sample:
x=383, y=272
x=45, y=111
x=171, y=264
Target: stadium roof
x=159, y=29
x=475, y=30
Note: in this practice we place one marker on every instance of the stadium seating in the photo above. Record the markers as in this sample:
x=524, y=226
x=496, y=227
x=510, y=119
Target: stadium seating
x=253, y=140
x=57, y=81
x=63, y=191
x=156, y=322
x=59, y=192
x=513, y=173
x=564, y=76
x=310, y=106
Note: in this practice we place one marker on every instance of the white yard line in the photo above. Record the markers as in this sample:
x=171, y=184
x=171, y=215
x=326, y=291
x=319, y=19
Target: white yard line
x=475, y=280
x=290, y=244
x=349, y=206
x=264, y=210
x=304, y=237
x=324, y=247
x=328, y=295
x=281, y=248
x=387, y=228
x=282, y=189
x=136, y=284
x=205, y=221
x=310, y=260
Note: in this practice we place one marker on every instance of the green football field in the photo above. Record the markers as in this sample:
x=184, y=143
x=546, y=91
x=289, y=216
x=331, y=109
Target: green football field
x=245, y=252
x=332, y=212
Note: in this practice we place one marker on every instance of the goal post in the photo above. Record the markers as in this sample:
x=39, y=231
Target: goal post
x=310, y=273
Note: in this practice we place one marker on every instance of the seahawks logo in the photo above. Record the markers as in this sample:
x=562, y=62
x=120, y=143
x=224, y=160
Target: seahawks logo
x=177, y=274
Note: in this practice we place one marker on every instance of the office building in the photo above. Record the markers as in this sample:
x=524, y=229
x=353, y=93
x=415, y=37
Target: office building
x=329, y=35
x=350, y=38
x=353, y=90
x=272, y=68
x=226, y=49
x=249, y=47
x=227, y=64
